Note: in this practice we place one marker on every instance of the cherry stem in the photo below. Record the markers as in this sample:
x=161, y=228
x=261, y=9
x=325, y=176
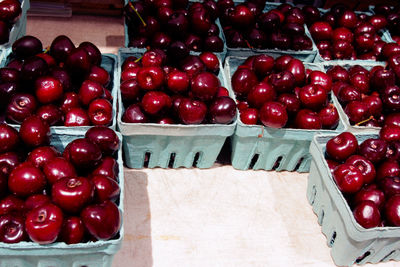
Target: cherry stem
x=364, y=121
x=46, y=50
x=137, y=60
x=248, y=44
x=137, y=13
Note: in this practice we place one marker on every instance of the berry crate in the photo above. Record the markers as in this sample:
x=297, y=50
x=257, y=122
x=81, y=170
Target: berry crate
x=303, y=55
x=259, y=147
x=174, y=145
x=347, y=64
x=109, y=63
x=350, y=243
x=217, y=22
x=90, y=254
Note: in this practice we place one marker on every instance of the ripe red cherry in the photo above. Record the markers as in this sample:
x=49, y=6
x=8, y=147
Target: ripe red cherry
x=99, y=74
x=296, y=67
x=321, y=30
x=107, y=167
x=105, y=138
x=241, y=17
x=84, y=153
x=320, y=78
x=78, y=61
x=8, y=138
x=338, y=73
x=51, y=114
x=76, y=117
x=263, y=65
x=273, y=114
x=374, y=104
x=371, y=193
x=130, y=90
x=367, y=214
x=26, y=180
x=222, y=91
x=12, y=228
x=8, y=161
x=291, y=102
x=89, y=91
x=12, y=204
x=357, y=111
x=43, y=224
x=365, y=166
x=348, y=19
x=100, y=112
x=72, y=194
x=154, y=102
x=348, y=178
x=342, y=146
x=205, y=85
x=70, y=100
x=72, y=231
x=21, y=106
x=261, y=93
x=342, y=34
x=151, y=59
x=222, y=110
x=34, y=201
x=134, y=114
x=41, y=155
x=249, y=116
x=192, y=111
x=329, y=117
x=307, y=119
x=210, y=60
x=373, y=149
x=390, y=186
x=105, y=188
x=388, y=168
x=34, y=131
x=150, y=78
x=390, y=133
x=243, y=80
x=392, y=210
x=282, y=82
x=130, y=73
x=103, y=221
x=313, y=96
x=177, y=81
x=48, y=89
x=58, y=168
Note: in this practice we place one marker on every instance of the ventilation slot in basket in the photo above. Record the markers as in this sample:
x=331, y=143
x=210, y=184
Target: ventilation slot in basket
x=277, y=163
x=298, y=164
x=196, y=159
x=332, y=240
x=254, y=161
x=146, y=159
x=361, y=258
x=321, y=217
x=388, y=256
x=313, y=194
x=171, y=160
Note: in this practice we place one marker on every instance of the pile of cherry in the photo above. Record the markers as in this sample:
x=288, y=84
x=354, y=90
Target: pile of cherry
x=47, y=195
x=342, y=34
x=159, y=89
x=10, y=12
x=246, y=25
x=368, y=175
x=282, y=93
x=392, y=15
x=369, y=98
x=64, y=85
x=173, y=25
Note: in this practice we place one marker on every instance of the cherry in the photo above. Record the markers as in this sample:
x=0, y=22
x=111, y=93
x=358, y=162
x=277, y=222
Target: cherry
x=348, y=178
x=130, y=73
x=372, y=193
x=342, y=34
x=192, y=111
x=388, y=168
x=8, y=161
x=391, y=98
x=12, y=228
x=241, y=17
x=58, y=168
x=92, y=51
x=150, y=78
x=134, y=114
x=249, y=116
x=84, y=153
x=89, y=91
x=103, y=221
x=321, y=30
x=61, y=47
x=177, y=81
x=8, y=138
x=99, y=74
x=21, y=106
x=70, y=100
x=130, y=90
x=243, y=80
x=329, y=117
x=27, y=46
x=390, y=133
x=43, y=224
x=153, y=102
x=107, y=167
x=100, y=112
x=390, y=186
x=205, y=85
x=367, y=214
x=392, y=208
x=105, y=188
x=222, y=110
x=338, y=73
x=106, y=139
x=211, y=61
x=261, y=93
x=26, y=179
x=357, y=111
x=365, y=166
x=348, y=93
x=72, y=194
x=374, y=104
x=63, y=76
x=37, y=200
x=342, y=146
x=263, y=65
x=34, y=131
x=11, y=204
x=192, y=65
x=48, y=89
x=51, y=114
x=41, y=155
x=72, y=231
x=313, y=97
x=273, y=114
x=320, y=78
x=78, y=62
x=76, y=117
x=307, y=119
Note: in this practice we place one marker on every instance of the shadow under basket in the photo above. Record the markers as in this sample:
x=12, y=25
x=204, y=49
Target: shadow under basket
x=350, y=243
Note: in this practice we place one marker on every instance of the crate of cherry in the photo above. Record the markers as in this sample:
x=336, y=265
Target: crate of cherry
x=354, y=189
x=12, y=21
x=263, y=27
x=174, y=26
x=61, y=196
x=173, y=112
x=66, y=86
x=341, y=33
x=392, y=16
x=282, y=103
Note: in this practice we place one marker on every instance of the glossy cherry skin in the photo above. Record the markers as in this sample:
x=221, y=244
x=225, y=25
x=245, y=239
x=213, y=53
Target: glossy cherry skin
x=392, y=210
x=27, y=46
x=43, y=224
x=48, y=89
x=72, y=231
x=72, y=194
x=58, y=168
x=177, y=81
x=390, y=186
x=357, y=111
x=342, y=146
x=243, y=80
x=373, y=149
x=63, y=76
x=51, y=114
x=103, y=221
x=8, y=161
x=26, y=180
x=371, y=193
x=41, y=155
x=61, y=47
x=211, y=61
x=390, y=132
x=307, y=119
x=388, y=168
x=192, y=65
x=70, y=100
x=8, y=138
x=130, y=73
x=106, y=139
x=205, y=85
x=107, y=167
x=263, y=65
x=391, y=98
x=84, y=153
x=100, y=112
x=313, y=96
x=261, y=93
x=12, y=228
x=282, y=82
x=374, y=104
x=93, y=52
x=99, y=74
x=76, y=117
x=321, y=31
x=89, y=91
x=105, y=188
x=33, y=68
x=249, y=116
x=150, y=78
x=222, y=110
x=273, y=114
x=348, y=178
x=329, y=117
x=367, y=214
x=338, y=73
x=320, y=78
x=78, y=62
x=134, y=114
x=7, y=91
x=130, y=90
x=12, y=204
x=291, y=102
x=21, y=106
x=34, y=131
x=192, y=111
x=365, y=166
x=154, y=102
x=37, y=200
